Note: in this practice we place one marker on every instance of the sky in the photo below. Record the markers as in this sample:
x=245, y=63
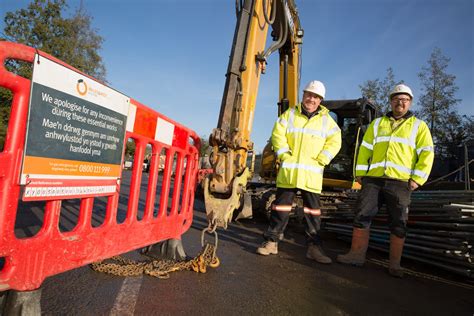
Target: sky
x=172, y=55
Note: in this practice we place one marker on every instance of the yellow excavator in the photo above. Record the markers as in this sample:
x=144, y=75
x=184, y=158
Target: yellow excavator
x=226, y=188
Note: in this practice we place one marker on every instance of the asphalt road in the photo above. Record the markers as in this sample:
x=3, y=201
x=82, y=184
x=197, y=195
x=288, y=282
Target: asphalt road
x=249, y=284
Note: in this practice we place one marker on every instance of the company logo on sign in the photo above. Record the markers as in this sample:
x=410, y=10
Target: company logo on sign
x=81, y=87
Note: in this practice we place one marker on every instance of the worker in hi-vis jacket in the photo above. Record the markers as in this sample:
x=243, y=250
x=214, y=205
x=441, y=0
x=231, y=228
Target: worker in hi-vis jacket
x=305, y=138
x=395, y=158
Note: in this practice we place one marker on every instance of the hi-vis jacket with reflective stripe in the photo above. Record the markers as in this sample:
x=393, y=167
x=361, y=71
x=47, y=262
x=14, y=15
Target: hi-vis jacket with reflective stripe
x=304, y=147
x=403, y=153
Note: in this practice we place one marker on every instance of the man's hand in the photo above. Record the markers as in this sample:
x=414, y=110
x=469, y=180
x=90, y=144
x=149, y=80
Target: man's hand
x=285, y=156
x=359, y=180
x=412, y=185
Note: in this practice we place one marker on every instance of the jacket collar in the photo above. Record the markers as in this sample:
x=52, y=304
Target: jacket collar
x=406, y=116
x=321, y=109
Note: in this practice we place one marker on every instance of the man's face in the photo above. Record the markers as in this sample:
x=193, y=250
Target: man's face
x=400, y=104
x=311, y=101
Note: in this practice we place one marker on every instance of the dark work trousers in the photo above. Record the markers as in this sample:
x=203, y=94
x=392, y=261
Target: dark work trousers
x=396, y=196
x=280, y=214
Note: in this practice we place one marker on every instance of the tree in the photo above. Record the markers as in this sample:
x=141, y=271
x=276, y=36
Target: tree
x=438, y=102
x=458, y=130
x=370, y=90
x=205, y=153
x=42, y=25
x=5, y=101
x=130, y=149
x=468, y=127
x=204, y=150
x=72, y=39
x=378, y=91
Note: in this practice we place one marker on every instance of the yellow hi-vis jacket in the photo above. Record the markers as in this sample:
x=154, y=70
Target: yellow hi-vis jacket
x=304, y=147
x=403, y=153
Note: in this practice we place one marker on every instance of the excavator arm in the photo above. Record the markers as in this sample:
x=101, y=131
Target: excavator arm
x=224, y=189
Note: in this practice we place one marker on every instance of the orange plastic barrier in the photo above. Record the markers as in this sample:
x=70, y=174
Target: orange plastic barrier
x=28, y=261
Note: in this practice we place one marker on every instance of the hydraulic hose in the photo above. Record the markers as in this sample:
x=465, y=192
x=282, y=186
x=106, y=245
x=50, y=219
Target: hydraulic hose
x=282, y=36
x=270, y=20
x=238, y=7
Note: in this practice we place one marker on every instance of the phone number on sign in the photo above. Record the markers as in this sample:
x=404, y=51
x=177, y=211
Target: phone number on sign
x=94, y=169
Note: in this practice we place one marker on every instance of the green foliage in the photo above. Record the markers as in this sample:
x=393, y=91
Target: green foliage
x=370, y=90
x=455, y=132
x=5, y=99
x=438, y=103
x=378, y=91
x=129, y=149
x=43, y=26
x=205, y=150
x=468, y=127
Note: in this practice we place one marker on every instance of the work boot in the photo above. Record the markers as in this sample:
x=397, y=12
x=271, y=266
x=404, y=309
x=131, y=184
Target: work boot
x=396, y=250
x=360, y=242
x=315, y=252
x=268, y=248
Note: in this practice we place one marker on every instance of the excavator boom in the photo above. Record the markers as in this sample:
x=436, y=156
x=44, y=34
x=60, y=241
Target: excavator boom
x=230, y=141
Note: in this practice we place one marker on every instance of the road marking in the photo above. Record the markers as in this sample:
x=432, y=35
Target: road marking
x=127, y=297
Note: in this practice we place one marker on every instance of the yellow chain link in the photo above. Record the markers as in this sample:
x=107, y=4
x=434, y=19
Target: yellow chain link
x=121, y=266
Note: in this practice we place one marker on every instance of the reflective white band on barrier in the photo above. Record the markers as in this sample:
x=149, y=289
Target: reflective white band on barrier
x=67, y=191
x=132, y=112
x=164, y=131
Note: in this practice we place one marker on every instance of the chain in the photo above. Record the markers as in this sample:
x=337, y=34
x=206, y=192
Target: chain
x=121, y=266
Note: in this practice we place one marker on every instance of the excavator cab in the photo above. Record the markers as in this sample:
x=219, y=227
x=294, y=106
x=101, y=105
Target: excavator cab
x=353, y=117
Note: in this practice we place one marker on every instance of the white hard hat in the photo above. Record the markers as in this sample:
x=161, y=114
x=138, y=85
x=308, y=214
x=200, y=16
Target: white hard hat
x=316, y=87
x=401, y=88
